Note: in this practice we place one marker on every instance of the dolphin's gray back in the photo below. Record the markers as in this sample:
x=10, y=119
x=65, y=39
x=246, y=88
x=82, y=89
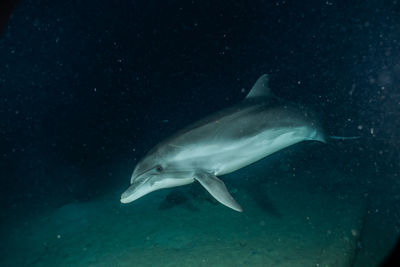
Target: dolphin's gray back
x=243, y=121
x=248, y=126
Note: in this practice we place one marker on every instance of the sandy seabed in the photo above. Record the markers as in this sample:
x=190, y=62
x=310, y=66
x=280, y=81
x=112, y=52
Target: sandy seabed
x=298, y=226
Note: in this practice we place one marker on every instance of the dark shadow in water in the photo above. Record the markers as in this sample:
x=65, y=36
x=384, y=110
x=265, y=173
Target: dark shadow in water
x=176, y=198
x=265, y=203
x=188, y=197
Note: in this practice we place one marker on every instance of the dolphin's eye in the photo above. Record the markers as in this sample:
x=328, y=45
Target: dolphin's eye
x=159, y=168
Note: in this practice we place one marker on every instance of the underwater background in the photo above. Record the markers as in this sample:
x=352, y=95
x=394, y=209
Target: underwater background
x=88, y=87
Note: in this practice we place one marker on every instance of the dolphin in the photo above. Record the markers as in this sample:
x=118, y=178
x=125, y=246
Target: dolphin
x=223, y=143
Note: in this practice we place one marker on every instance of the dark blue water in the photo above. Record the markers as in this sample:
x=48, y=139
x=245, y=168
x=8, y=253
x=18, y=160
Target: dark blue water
x=88, y=87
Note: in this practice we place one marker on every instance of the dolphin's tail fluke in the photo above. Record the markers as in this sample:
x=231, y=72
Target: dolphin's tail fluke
x=334, y=137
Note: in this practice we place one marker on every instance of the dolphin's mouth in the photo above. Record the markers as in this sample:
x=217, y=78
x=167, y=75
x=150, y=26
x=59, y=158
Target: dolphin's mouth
x=128, y=195
x=135, y=191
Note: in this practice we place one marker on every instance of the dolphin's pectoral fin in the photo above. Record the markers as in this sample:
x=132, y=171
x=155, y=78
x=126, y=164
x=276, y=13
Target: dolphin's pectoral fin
x=217, y=189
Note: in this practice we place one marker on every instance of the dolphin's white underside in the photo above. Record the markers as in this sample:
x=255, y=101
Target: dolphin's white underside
x=225, y=156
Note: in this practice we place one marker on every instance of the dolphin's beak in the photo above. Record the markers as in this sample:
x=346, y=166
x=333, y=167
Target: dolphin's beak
x=135, y=191
x=126, y=196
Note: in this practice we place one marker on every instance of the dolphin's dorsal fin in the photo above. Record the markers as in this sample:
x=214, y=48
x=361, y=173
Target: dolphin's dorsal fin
x=260, y=88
